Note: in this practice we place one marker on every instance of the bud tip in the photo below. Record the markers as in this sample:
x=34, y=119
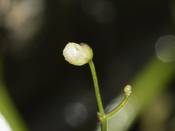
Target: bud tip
x=128, y=90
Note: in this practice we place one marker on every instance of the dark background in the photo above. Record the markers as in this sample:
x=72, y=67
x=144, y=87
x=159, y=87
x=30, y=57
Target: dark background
x=46, y=89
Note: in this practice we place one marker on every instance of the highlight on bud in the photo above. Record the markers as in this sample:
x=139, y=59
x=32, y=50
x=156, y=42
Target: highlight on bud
x=128, y=90
x=77, y=54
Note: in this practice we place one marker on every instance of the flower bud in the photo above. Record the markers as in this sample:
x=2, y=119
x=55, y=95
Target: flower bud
x=127, y=90
x=77, y=54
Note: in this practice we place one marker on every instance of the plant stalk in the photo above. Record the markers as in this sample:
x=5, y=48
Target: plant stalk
x=118, y=107
x=103, y=118
x=97, y=92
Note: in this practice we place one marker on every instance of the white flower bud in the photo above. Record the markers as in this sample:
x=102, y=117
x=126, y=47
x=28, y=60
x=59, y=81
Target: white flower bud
x=77, y=54
x=128, y=90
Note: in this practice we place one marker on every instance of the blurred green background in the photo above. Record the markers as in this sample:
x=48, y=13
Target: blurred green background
x=52, y=95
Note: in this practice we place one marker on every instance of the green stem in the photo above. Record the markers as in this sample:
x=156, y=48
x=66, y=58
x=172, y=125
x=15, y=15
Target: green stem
x=104, y=124
x=97, y=92
x=118, y=107
x=103, y=118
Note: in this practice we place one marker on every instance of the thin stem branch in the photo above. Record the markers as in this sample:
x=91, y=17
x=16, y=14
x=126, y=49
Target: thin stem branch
x=118, y=107
x=103, y=118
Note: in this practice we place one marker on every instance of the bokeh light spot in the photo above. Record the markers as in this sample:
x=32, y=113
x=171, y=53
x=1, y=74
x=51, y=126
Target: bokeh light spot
x=165, y=48
x=75, y=114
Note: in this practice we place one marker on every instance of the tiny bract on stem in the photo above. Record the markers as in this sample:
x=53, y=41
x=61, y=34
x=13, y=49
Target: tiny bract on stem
x=80, y=54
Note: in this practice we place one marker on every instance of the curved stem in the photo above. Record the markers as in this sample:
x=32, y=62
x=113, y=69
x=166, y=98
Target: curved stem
x=97, y=92
x=118, y=107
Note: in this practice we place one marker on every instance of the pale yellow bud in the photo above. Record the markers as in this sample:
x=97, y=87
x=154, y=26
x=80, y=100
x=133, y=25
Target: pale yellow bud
x=77, y=54
x=128, y=90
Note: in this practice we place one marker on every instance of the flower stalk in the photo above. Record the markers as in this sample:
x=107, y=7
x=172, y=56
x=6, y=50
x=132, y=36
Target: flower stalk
x=102, y=116
x=80, y=54
x=96, y=86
